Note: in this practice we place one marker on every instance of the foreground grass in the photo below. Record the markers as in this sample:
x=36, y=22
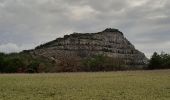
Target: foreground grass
x=130, y=85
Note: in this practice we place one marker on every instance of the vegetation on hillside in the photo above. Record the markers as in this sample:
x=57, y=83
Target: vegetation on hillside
x=25, y=63
x=102, y=63
x=22, y=63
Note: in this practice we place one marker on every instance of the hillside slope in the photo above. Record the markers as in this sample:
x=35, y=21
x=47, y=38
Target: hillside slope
x=72, y=49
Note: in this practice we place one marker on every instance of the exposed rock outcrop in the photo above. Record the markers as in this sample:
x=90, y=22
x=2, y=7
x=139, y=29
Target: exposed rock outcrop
x=110, y=42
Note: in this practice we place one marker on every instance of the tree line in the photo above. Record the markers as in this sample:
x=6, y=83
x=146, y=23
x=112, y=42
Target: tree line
x=159, y=61
x=25, y=63
x=14, y=62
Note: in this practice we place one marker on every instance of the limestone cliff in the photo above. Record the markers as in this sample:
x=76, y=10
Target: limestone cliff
x=110, y=42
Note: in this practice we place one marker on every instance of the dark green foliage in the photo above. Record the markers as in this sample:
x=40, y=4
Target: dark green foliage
x=165, y=60
x=1, y=61
x=94, y=64
x=155, y=61
x=16, y=62
x=102, y=63
x=10, y=63
x=25, y=63
x=159, y=61
x=33, y=67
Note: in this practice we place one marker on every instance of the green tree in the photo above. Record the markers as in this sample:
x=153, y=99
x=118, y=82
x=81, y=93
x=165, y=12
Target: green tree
x=165, y=60
x=33, y=67
x=2, y=55
x=155, y=61
x=11, y=65
x=102, y=63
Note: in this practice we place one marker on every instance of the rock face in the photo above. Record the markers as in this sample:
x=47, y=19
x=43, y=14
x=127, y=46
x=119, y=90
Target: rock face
x=110, y=42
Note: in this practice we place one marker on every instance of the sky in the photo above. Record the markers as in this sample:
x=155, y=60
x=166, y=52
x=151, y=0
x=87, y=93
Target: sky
x=25, y=24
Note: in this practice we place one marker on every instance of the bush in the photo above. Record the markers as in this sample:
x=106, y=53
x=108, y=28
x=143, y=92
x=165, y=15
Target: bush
x=33, y=67
x=102, y=63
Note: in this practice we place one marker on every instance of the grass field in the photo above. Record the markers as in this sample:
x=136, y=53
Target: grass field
x=128, y=85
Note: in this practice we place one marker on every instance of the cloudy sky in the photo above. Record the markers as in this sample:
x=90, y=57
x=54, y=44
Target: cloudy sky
x=25, y=24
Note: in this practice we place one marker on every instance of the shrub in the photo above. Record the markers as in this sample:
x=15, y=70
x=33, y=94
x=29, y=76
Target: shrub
x=33, y=67
x=102, y=63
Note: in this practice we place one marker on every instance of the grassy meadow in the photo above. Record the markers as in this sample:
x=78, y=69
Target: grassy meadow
x=127, y=85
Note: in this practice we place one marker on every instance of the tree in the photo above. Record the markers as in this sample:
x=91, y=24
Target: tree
x=155, y=61
x=102, y=63
x=1, y=61
x=33, y=67
x=11, y=65
x=165, y=60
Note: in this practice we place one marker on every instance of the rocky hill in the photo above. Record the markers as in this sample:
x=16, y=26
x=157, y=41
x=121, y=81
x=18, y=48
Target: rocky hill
x=75, y=47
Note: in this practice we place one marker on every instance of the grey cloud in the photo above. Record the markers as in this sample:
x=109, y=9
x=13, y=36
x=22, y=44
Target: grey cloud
x=27, y=23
